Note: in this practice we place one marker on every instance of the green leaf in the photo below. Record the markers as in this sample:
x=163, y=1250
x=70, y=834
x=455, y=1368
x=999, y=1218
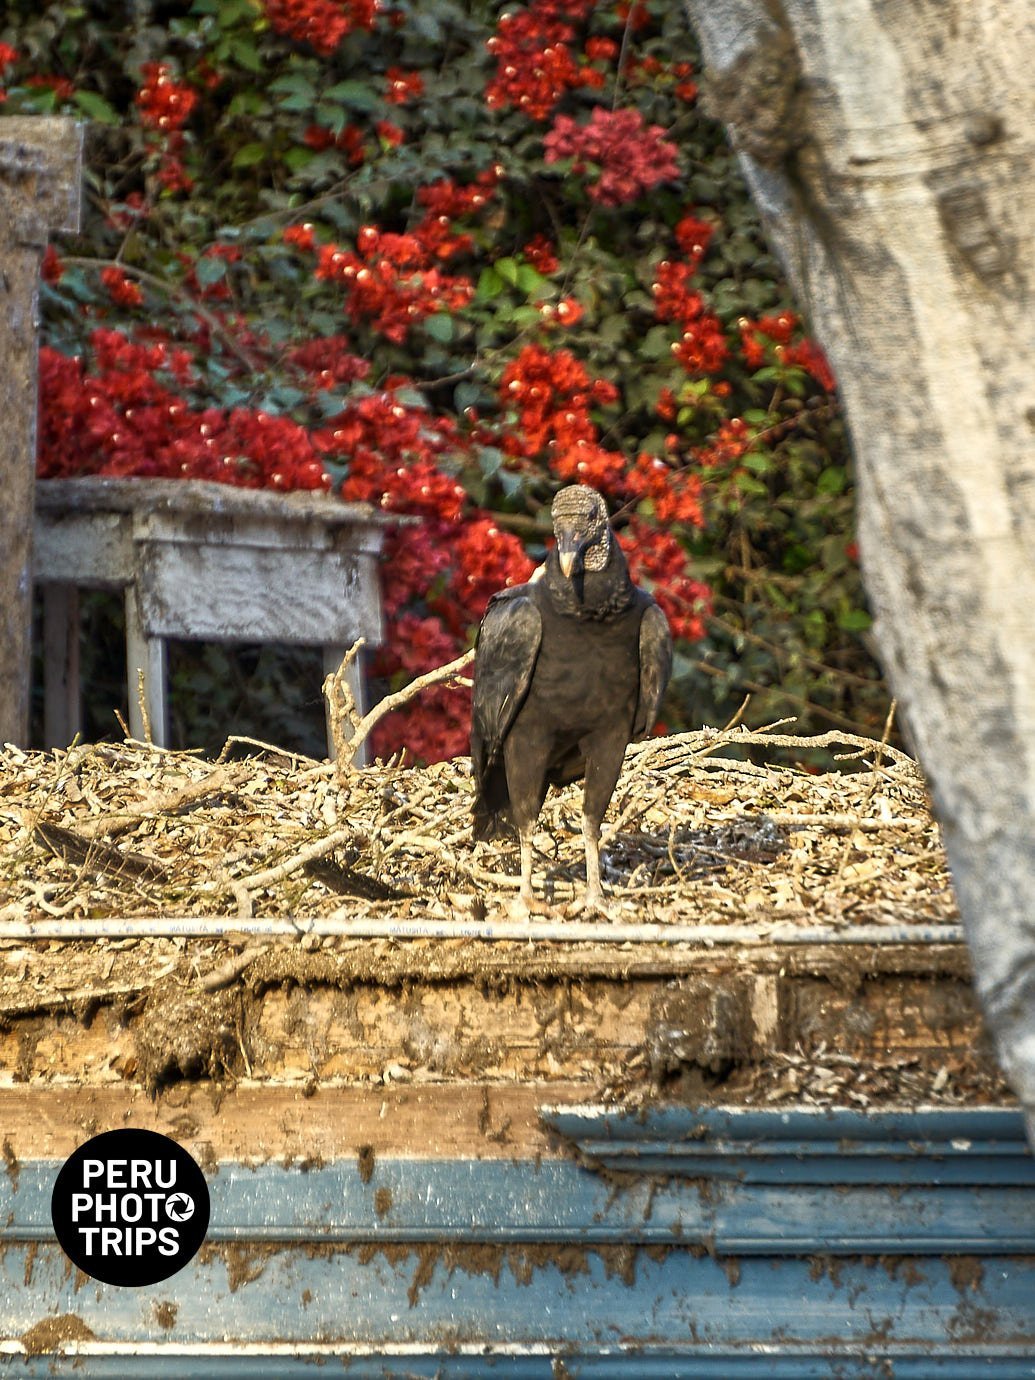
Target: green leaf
x=332, y=117
x=297, y=158
x=490, y=285
x=356, y=95
x=210, y=270
x=832, y=480
x=748, y=484
x=96, y=107
x=248, y=103
x=854, y=620
x=507, y=270
x=249, y=154
x=441, y=327
x=657, y=343
x=759, y=463
x=293, y=84
x=489, y=459
x=529, y=281
x=244, y=52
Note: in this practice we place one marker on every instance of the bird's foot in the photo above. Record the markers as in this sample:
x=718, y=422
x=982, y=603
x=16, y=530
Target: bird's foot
x=522, y=905
x=594, y=903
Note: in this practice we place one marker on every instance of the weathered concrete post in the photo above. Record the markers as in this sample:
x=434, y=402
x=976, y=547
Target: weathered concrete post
x=40, y=179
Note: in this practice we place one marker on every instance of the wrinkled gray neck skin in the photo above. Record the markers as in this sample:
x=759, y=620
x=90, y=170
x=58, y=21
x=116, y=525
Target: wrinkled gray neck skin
x=597, y=591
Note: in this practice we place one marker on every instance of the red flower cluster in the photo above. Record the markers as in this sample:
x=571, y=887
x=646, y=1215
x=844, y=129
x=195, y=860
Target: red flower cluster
x=487, y=559
x=350, y=140
x=122, y=290
x=657, y=560
x=693, y=237
x=300, y=236
x=320, y=23
x=772, y=335
x=755, y=336
x=326, y=362
x=541, y=255
x=535, y=64
x=121, y=420
x=566, y=312
x=652, y=71
x=584, y=462
x=61, y=86
x=391, y=134
x=392, y=450
x=552, y=394
x=675, y=495
x=601, y=49
x=811, y=358
x=732, y=440
x=446, y=198
x=403, y=87
x=163, y=103
x=702, y=347
x=52, y=270
x=172, y=174
x=632, y=156
x=391, y=282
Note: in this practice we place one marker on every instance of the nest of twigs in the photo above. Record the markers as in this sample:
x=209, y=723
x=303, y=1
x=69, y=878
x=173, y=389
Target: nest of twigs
x=692, y=836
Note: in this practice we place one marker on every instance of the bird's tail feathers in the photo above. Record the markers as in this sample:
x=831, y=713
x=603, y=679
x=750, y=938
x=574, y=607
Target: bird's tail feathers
x=489, y=824
x=490, y=813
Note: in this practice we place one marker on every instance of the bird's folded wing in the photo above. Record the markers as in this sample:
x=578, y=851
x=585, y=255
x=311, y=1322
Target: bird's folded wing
x=508, y=644
x=655, y=668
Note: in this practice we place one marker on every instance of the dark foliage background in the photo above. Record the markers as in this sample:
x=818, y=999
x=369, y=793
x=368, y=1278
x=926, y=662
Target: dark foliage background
x=444, y=257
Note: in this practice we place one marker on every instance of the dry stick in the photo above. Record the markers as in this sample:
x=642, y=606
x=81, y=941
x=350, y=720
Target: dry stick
x=846, y=848
x=243, y=887
x=342, y=710
x=145, y=717
x=227, y=972
x=239, y=740
x=342, y=704
x=163, y=803
x=708, y=739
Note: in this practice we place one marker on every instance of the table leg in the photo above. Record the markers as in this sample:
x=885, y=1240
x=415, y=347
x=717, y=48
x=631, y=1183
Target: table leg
x=145, y=654
x=61, y=708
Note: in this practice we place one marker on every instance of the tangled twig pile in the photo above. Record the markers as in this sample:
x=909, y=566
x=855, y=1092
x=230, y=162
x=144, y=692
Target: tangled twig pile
x=112, y=830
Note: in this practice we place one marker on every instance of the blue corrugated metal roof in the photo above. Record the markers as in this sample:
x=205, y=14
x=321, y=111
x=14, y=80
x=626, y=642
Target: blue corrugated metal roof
x=910, y=1254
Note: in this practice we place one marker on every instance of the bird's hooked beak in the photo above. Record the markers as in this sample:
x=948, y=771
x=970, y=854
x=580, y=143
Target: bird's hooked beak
x=570, y=551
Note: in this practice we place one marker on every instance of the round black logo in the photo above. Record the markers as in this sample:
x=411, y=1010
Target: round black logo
x=130, y=1207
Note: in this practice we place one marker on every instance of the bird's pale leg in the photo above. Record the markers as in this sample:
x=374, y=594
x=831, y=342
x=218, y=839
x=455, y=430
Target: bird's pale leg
x=603, y=763
x=594, y=891
x=525, y=896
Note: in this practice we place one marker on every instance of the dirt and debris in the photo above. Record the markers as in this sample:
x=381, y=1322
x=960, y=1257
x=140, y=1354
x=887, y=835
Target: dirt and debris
x=111, y=830
x=696, y=839
x=165, y=1314
x=51, y=1333
x=185, y=1033
x=365, y=1162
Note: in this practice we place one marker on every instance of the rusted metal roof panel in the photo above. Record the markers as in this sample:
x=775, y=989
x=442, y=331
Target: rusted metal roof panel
x=725, y=1264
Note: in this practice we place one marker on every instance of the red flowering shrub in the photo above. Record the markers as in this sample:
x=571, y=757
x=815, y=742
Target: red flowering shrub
x=163, y=103
x=631, y=156
x=328, y=247
x=322, y=24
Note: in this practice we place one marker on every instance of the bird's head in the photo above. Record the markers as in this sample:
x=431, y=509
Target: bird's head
x=581, y=528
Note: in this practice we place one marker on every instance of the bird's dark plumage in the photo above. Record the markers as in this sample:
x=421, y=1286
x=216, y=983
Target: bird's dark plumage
x=570, y=668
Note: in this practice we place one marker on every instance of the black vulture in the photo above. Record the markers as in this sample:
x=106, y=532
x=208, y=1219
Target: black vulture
x=570, y=668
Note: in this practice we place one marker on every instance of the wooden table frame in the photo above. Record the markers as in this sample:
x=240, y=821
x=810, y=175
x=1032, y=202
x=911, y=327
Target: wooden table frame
x=203, y=562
